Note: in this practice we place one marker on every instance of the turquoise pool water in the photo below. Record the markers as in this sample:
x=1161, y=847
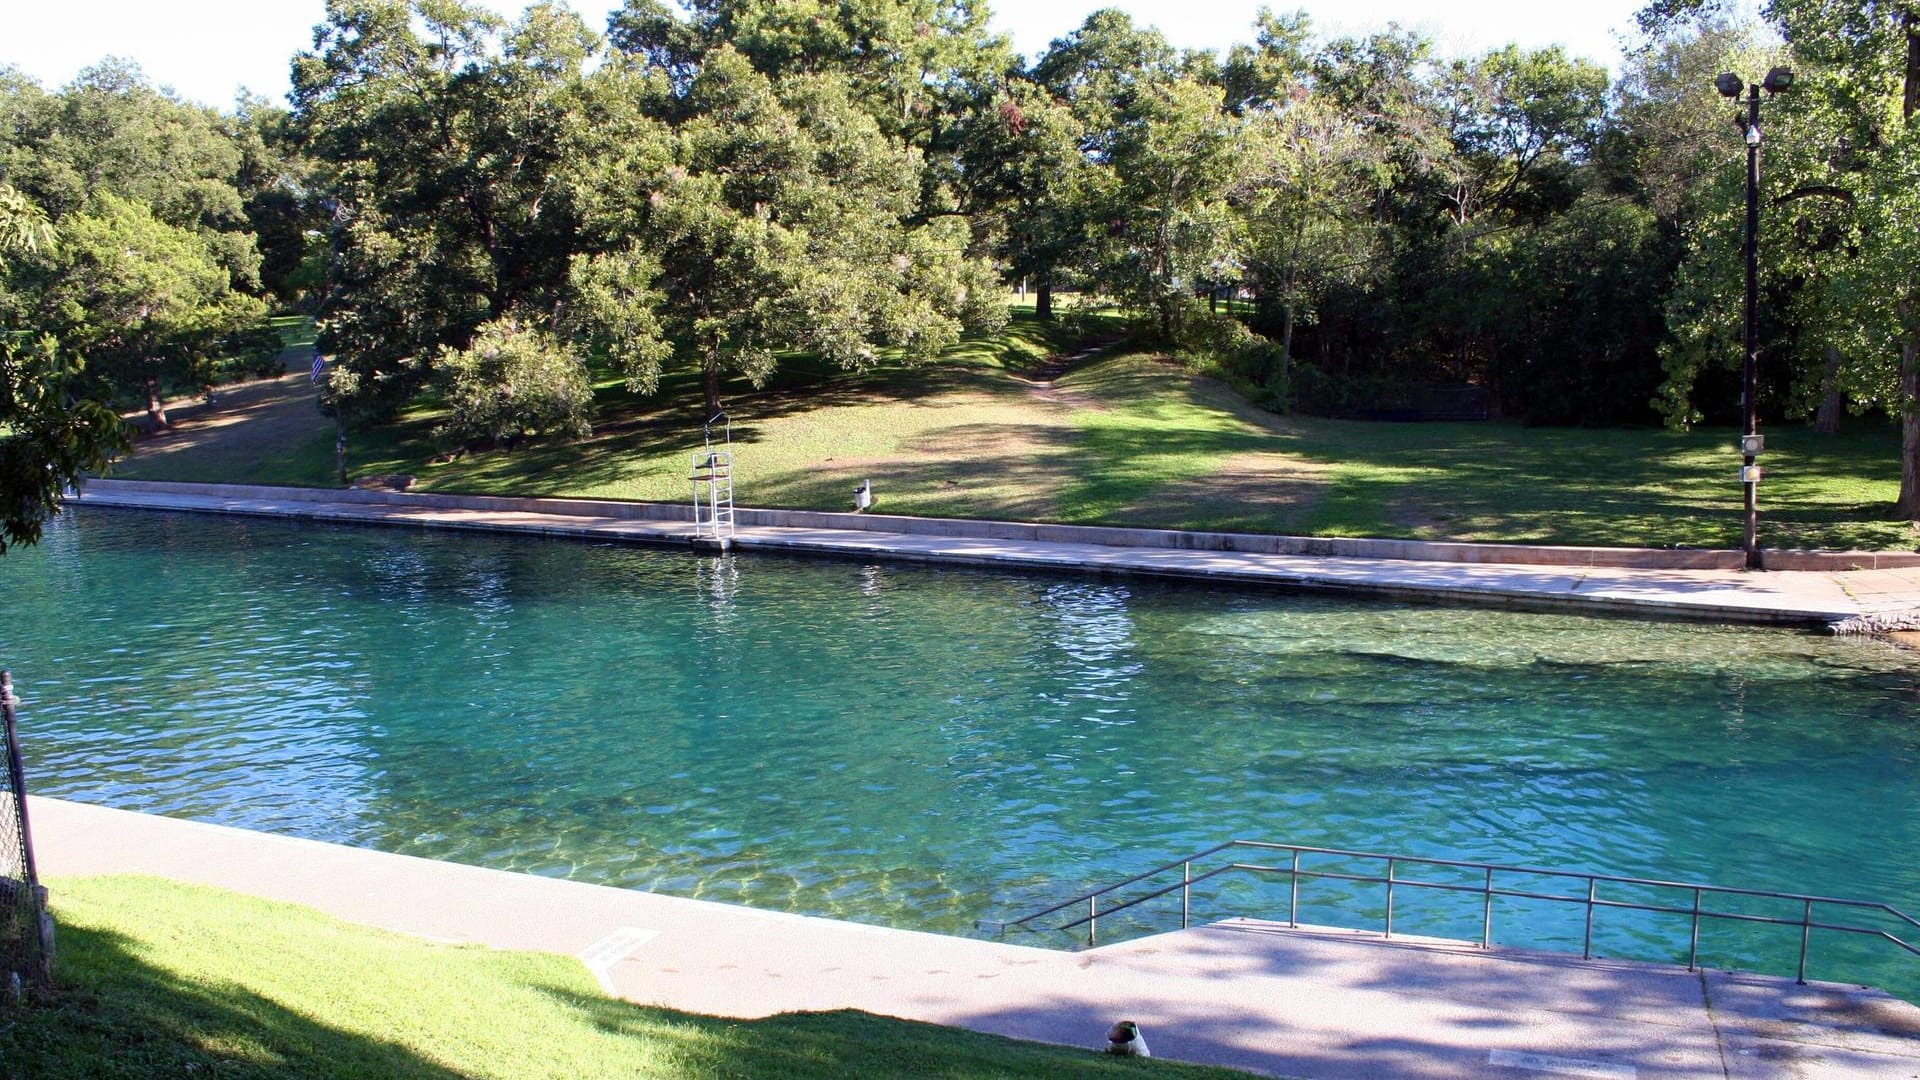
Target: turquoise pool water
x=929, y=747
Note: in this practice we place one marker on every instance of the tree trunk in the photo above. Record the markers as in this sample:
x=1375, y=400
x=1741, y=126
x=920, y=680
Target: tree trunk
x=1286, y=347
x=156, y=412
x=1908, y=508
x=1213, y=301
x=1910, y=100
x=710, y=378
x=340, y=444
x=1043, y=299
x=1827, y=420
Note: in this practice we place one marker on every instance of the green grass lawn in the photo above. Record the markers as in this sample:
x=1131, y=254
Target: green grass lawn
x=159, y=979
x=296, y=331
x=1123, y=438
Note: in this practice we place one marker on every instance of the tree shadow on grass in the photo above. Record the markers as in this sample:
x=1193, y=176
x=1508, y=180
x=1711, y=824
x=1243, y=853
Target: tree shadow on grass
x=847, y=1042
x=116, y=1015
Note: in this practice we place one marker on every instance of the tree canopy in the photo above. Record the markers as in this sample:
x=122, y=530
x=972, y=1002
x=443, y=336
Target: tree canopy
x=498, y=211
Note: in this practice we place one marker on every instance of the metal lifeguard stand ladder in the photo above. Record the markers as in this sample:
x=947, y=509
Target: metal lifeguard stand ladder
x=712, y=479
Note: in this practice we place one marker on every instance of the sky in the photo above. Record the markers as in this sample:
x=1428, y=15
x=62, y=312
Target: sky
x=206, y=50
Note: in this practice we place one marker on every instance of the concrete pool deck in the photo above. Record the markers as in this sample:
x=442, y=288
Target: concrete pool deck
x=1258, y=996
x=1698, y=585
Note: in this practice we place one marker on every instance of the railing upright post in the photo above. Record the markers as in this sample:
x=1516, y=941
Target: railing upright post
x=1389, y=898
x=1293, y=892
x=1586, y=949
x=1093, y=920
x=1693, y=946
x=1806, y=932
x=1486, y=916
x=1186, y=891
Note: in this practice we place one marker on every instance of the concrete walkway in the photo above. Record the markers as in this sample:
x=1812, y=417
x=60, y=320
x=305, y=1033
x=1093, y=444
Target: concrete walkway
x=1778, y=596
x=1303, y=1003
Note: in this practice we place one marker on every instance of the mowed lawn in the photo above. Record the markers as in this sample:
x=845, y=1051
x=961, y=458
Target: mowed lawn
x=159, y=979
x=1120, y=438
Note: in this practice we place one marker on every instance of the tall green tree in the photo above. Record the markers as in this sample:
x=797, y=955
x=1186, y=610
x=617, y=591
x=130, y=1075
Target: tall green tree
x=145, y=303
x=111, y=131
x=1868, y=58
x=909, y=64
x=781, y=217
x=1842, y=172
x=1025, y=179
x=1164, y=222
x=50, y=437
x=1267, y=72
x=1100, y=68
x=1307, y=184
x=1520, y=121
x=440, y=132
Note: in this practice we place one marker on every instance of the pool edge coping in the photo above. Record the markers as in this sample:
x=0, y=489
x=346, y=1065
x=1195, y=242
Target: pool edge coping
x=1710, y=593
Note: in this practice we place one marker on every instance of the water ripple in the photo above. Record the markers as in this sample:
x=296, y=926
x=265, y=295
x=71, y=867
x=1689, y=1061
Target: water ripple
x=926, y=747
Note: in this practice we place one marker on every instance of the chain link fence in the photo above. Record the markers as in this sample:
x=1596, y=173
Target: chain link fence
x=26, y=930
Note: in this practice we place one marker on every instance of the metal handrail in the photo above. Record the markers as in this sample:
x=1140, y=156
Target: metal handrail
x=1591, y=899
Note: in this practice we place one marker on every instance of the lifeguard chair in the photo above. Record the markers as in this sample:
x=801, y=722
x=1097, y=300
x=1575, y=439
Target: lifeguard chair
x=712, y=479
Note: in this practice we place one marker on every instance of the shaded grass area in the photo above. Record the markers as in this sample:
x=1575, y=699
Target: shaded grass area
x=296, y=331
x=1493, y=481
x=1128, y=439
x=160, y=979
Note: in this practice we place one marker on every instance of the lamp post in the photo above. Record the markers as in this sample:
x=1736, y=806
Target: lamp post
x=1751, y=442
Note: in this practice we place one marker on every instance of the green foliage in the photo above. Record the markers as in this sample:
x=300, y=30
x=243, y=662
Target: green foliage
x=23, y=225
x=779, y=217
x=146, y=290
x=1841, y=179
x=1309, y=179
x=513, y=382
x=1581, y=303
x=49, y=439
x=1221, y=341
x=908, y=64
x=147, y=304
x=111, y=132
x=717, y=187
x=441, y=134
x=1025, y=180
x=1162, y=221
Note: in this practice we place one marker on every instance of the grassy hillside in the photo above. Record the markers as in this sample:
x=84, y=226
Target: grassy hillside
x=159, y=979
x=1121, y=438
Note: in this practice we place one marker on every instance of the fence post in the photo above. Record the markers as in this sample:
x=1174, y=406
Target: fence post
x=36, y=930
x=1693, y=946
x=1093, y=919
x=1293, y=892
x=1486, y=916
x=1186, y=888
x=1389, y=932
x=16, y=775
x=1806, y=931
x=1586, y=949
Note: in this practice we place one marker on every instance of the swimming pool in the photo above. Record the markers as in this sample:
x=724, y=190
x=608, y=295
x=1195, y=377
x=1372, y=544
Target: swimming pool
x=927, y=747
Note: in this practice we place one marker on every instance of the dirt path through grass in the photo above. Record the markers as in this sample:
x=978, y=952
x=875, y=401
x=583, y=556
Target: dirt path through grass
x=260, y=432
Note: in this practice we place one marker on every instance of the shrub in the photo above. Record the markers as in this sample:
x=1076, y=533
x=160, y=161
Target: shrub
x=513, y=382
x=1216, y=340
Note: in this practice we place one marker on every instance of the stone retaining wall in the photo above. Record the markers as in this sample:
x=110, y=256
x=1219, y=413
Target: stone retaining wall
x=1425, y=551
